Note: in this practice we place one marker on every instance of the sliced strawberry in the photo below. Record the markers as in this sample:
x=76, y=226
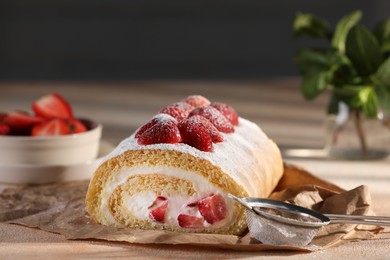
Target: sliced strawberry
x=75, y=126
x=193, y=203
x=227, y=111
x=53, y=127
x=21, y=122
x=215, y=117
x=52, y=106
x=197, y=100
x=157, y=202
x=158, y=209
x=4, y=129
x=164, y=131
x=196, y=135
x=158, y=118
x=213, y=208
x=187, y=221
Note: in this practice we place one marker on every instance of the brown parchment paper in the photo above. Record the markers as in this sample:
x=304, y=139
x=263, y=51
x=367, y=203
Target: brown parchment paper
x=60, y=208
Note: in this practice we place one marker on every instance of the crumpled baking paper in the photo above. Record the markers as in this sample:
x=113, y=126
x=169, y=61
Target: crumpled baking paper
x=60, y=208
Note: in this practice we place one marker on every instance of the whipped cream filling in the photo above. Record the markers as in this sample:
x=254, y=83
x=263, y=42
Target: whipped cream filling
x=139, y=203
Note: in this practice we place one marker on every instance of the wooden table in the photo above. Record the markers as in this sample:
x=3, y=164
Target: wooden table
x=275, y=104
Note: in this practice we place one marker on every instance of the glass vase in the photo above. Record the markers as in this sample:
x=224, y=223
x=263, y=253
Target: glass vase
x=352, y=136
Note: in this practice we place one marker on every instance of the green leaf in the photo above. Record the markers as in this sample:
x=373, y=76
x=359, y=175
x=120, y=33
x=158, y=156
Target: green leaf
x=306, y=59
x=313, y=83
x=343, y=71
x=382, y=30
x=362, y=98
x=349, y=94
x=383, y=74
x=383, y=97
x=363, y=49
x=343, y=74
x=385, y=49
x=347, y=91
x=309, y=25
x=368, y=101
x=342, y=29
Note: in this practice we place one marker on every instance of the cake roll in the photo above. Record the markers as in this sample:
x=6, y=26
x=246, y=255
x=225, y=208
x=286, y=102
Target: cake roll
x=174, y=172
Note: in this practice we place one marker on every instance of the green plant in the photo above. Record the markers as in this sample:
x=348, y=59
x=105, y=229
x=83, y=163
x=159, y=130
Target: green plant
x=355, y=66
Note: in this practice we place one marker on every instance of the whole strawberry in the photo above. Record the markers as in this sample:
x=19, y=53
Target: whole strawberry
x=162, y=130
x=215, y=117
x=196, y=135
x=197, y=101
x=179, y=110
x=227, y=111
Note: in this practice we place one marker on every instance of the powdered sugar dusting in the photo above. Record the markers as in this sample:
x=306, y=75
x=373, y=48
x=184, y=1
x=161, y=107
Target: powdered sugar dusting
x=159, y=130
x=183, y=105
x=215, y=117
x=176, y=111
x=156, y=119
x=247, y=148
x=227, y=111
x=164, y=118
x=215, y=135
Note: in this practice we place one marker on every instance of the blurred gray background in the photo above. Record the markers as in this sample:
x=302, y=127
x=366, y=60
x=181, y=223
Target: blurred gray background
x=155, y=39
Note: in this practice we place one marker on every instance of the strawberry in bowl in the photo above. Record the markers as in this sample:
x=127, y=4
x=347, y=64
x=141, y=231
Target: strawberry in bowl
x=50, y=134
x=52, y=116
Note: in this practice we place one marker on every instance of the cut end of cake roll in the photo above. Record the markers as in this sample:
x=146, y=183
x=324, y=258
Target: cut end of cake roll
x=165, y=189
x=175, y=172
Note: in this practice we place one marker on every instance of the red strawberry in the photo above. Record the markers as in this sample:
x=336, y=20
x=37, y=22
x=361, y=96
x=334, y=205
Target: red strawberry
x=227, y=111
x=53, y=127
x=52, y=106
x=195, y=135
x=179, y=110
x=213, y=208
x=183, y=106
x=174, y=112
x=192, y=204
x=158, y=209
x=215, y=135
x=4, y=129
x=164, y=131
x=146, y=127
x=197, y=101
x=187, y=221
x=215, y=117
x=21, y=122
x=155, y=120
x=75, y=126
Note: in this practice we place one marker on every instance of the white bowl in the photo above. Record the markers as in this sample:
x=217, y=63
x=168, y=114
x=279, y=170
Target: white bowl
x=50, y=173
x=64, y=149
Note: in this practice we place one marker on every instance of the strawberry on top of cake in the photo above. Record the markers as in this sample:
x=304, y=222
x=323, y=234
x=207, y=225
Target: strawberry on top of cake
x=194, y=121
